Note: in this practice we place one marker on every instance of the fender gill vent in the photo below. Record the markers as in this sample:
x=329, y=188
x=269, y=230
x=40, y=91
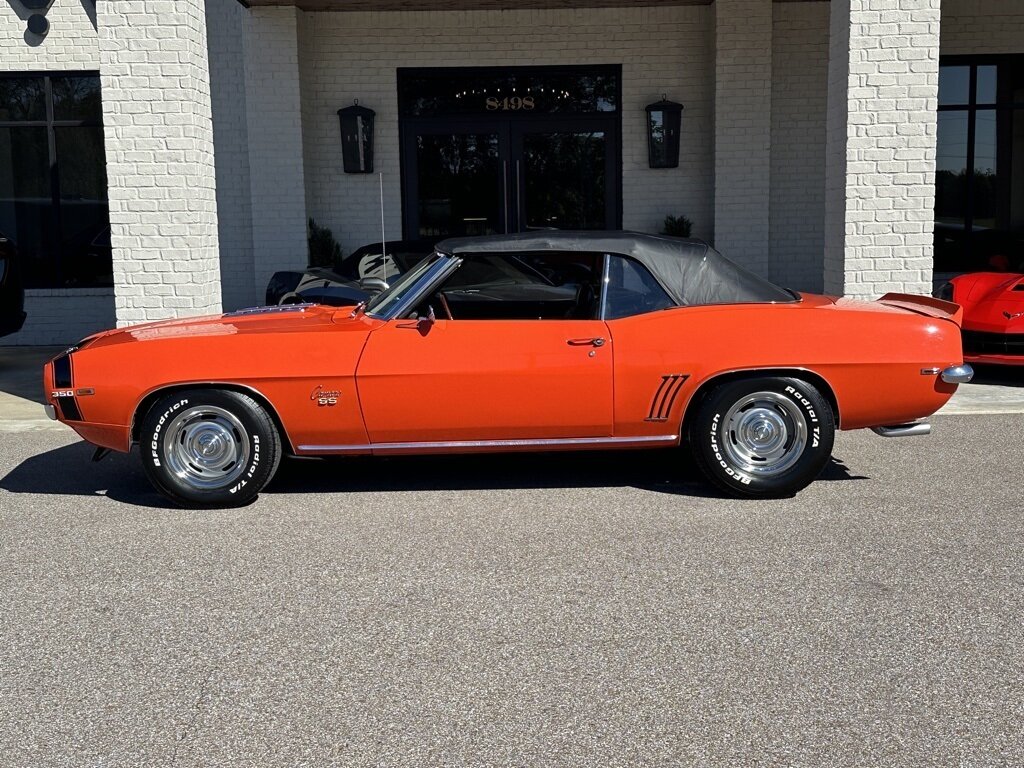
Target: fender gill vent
x=665, y=396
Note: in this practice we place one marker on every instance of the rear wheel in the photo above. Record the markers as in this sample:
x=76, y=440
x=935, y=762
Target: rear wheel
x=209, y=448
x=764, y=437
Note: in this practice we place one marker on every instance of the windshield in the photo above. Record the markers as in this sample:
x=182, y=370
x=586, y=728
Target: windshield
x=381, y=304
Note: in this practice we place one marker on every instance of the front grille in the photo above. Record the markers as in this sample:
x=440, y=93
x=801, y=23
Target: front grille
x=979, y=343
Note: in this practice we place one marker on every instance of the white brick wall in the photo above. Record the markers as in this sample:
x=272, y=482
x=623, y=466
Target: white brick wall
x=799, y=96
x=982, y=26
x=57, y=317
x=72, y=42
x=354, y=55
x=743, y=106
x=160, y=166
x=226, y=33
x=276, y=171
x=880, y=182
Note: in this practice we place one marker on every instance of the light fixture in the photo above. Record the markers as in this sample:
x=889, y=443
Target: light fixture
x=357, y=138
x=664, y=120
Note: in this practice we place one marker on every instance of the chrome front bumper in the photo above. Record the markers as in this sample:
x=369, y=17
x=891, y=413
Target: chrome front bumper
x=957, y=374
x=51, y=411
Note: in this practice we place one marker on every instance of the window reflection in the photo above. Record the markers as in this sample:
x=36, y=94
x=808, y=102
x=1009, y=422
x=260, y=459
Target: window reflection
x=954, y=85
x=57, y=217
x=979, y=181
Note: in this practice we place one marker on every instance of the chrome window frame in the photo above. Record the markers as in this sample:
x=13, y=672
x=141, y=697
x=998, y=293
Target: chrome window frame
x=605, y=277
x=437, y=272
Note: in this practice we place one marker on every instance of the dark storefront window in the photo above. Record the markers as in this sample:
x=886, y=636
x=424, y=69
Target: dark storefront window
x=53, y=179
x=979, y=184
x=510, y=149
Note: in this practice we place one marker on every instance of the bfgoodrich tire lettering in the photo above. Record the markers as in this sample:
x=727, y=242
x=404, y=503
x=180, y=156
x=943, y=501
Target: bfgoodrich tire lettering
x=209, y=448
x=762, y=437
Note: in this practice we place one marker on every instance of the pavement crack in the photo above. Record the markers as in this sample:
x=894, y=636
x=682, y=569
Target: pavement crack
x=197, y=710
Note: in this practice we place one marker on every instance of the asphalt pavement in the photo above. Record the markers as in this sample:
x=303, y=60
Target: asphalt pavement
x=578, y=610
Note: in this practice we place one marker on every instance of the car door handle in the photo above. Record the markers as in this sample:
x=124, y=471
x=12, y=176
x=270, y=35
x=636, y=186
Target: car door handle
x=585, y=342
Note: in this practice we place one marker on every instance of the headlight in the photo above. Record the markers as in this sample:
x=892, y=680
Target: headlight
x=945, y=292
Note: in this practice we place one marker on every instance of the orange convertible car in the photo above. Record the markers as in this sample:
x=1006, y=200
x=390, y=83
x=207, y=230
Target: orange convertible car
x=532, y=342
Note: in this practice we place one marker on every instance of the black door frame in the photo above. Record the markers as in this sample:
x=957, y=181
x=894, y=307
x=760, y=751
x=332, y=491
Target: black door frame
x=510, y=127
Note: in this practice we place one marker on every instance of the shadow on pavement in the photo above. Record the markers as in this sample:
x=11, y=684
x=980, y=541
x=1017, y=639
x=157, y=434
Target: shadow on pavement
x=21, y=370
x=69, y=471
x=998, y=375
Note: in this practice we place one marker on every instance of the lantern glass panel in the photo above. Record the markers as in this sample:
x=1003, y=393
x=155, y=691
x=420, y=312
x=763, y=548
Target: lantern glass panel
x=357, y=140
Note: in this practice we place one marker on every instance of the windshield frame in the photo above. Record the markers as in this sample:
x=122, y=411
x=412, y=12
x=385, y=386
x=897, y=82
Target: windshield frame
x=419, y=279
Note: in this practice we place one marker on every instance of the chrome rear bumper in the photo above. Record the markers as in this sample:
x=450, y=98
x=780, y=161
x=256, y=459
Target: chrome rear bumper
x=51, y=411
x=957, y=374
x=916, y=429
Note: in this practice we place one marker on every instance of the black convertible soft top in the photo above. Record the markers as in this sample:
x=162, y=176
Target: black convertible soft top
x=690, y=271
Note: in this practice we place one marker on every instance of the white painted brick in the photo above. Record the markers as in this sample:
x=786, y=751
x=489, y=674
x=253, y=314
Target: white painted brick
x=63, y=316
x=871, y=116
x=798, y=104
x=344, y=56
x=72, y=43
x=177, y=77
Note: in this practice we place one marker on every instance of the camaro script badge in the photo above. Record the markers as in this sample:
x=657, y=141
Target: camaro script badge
x=1008, y=316
x=325, y=397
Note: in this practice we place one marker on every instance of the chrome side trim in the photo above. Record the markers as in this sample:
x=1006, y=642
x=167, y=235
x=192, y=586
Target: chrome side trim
x=460, y=444
x=904, y=430
x=930, y=371
x=51, y=411
x=958, y=374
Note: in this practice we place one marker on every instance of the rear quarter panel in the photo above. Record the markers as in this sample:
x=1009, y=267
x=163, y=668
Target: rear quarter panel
x=871, y=356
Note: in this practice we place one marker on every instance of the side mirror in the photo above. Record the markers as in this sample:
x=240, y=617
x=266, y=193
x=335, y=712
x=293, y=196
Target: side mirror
x=373, y=285
x=424, y=323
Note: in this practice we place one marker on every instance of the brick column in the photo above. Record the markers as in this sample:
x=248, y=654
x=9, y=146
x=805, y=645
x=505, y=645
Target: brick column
x=743, y=127
x=159, y=143
x=277, y=177
x=880, y=146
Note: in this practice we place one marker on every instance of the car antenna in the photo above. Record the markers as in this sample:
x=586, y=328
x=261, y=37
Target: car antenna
x=383, y=238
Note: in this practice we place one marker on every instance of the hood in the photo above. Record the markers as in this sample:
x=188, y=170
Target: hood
x=284, y=319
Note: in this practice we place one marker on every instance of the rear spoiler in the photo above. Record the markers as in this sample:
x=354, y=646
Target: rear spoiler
x=925, y=305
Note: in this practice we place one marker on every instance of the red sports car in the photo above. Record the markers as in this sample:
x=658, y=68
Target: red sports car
x=993, y=325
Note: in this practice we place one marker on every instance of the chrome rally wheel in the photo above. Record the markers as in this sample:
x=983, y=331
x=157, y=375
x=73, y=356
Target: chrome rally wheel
x=764, y=434
x=206, y=447
x=762, y=437
x=209, y=448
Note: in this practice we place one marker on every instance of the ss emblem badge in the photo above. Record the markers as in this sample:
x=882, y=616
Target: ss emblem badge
x=325, y=398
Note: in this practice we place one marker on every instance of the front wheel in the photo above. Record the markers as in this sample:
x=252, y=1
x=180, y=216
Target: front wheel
x=764, y=437
x=209, y=448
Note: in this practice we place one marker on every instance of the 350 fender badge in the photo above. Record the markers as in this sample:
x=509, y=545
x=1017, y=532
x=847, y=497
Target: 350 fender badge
x=325, y=397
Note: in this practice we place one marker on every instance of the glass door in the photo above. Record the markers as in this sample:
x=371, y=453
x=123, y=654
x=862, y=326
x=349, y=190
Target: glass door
x=566, y=174
x=456, y=180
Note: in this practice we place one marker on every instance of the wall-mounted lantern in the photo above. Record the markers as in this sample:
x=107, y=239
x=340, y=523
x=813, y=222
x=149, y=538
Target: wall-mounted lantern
x=664, y=119
x=357, y=138
x=37, y=23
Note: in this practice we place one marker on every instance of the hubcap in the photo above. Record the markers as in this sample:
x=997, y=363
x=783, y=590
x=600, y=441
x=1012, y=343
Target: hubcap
x=206, y=447
x=764, y=434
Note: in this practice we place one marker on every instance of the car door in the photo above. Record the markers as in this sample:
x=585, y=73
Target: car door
x=483, y=371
